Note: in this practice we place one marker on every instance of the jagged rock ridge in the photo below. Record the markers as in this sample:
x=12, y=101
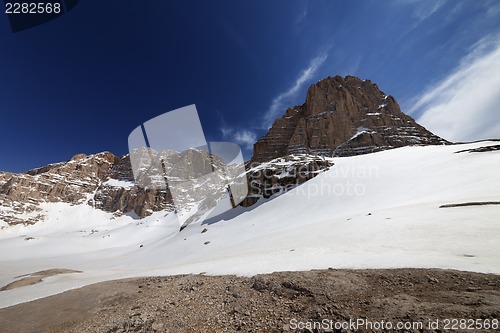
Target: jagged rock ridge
x=103, y=181
x=342, y=116
x=281, y=174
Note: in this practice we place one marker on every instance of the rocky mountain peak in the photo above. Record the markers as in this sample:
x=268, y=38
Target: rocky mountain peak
x=342, y=116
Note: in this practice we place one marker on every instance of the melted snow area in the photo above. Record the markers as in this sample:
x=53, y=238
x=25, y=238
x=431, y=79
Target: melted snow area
x=379, y=210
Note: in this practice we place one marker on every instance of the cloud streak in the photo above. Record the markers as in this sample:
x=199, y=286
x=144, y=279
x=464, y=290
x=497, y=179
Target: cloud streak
x=421, y=11
x=427, y=9
x=243, y=137
x=276, y=107
x=463, y=106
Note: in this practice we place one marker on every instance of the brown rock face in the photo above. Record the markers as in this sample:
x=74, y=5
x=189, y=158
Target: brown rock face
x=95, y=180
x=113, y=197
x=282, y=174
x=103, y=181
x=342, y=116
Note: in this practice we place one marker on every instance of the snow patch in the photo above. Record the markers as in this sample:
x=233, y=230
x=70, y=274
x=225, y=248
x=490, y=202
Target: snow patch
x=119, y=183
x=378, y=210
x=360, y=130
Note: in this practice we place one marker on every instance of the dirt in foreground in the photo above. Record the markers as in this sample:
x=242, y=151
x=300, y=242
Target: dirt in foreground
x=313, y=301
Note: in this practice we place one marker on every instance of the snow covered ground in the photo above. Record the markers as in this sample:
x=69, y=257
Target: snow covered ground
x=372, y=211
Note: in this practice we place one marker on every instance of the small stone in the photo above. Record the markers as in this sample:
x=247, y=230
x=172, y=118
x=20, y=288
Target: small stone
x=158, y=326
x=432, y=279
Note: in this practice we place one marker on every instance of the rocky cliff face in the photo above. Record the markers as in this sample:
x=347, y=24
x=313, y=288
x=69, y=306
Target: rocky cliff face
x=342, y=116
x=101, y=180
x=281, y=174
x=106, y=182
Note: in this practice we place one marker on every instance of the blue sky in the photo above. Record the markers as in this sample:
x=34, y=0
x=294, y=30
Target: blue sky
x=81, y=83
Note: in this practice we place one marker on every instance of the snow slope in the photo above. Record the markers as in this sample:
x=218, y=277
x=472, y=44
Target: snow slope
x=379, y=210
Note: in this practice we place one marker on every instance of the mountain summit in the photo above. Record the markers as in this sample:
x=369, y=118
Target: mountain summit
x=342, y=116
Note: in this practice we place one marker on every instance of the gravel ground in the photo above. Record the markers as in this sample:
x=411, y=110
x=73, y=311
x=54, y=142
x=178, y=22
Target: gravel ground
x=312, y=301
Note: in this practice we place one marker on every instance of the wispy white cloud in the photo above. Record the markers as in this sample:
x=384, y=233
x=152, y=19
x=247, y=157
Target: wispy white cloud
x=426, y=9
x=421, y=9
x=464, y=106
x=226, y=132
x=243, y=137
x=277, y=105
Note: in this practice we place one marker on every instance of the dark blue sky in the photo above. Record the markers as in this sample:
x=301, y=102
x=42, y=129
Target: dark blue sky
x=81, y=83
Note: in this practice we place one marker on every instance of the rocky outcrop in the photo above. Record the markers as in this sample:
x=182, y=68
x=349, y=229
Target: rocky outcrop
x=120, y=194
x=63, y=182
x=106, y=182
x=101, y=180
x=342, y=116
x=282, y=174
x=72, y=182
